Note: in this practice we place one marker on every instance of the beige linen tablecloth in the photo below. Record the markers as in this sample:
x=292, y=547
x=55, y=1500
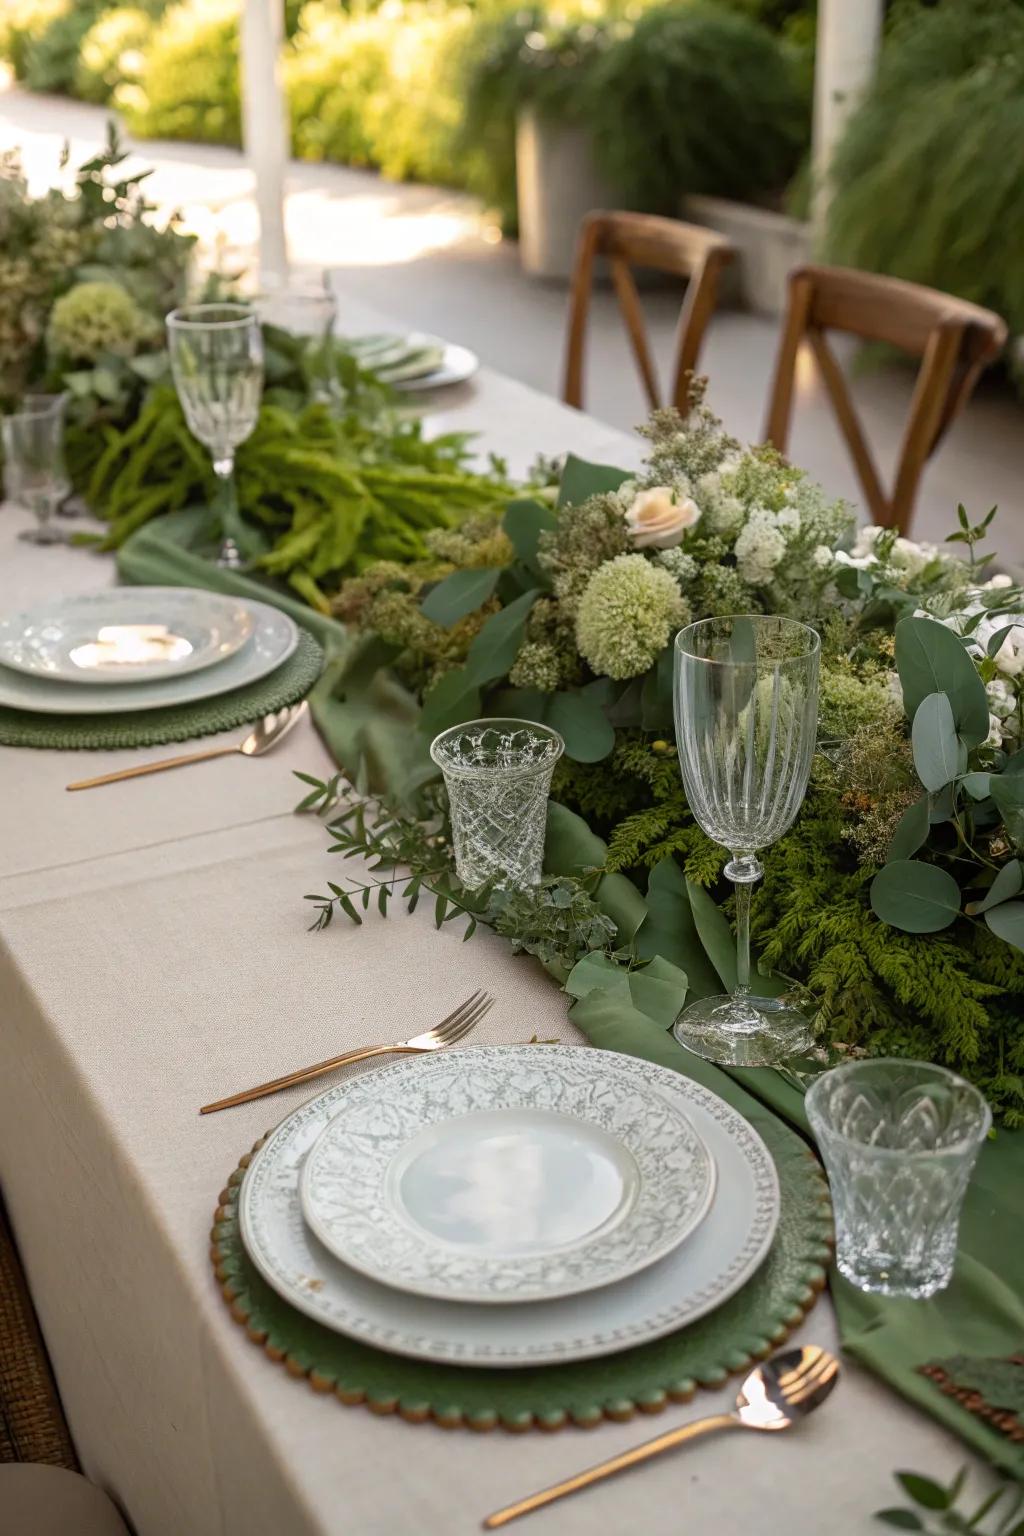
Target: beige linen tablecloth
x=154, y=954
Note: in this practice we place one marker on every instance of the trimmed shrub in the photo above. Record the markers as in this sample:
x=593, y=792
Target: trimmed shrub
x=188, y=85
x=112, y=53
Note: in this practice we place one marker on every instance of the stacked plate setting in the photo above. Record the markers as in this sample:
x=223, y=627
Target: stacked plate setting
x=510, y=1205
x=136, y=648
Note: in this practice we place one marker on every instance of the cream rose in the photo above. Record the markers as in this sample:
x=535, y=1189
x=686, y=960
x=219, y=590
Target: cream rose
x=656, y=520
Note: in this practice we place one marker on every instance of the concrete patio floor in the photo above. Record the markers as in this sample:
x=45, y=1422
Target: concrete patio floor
x=429, y=258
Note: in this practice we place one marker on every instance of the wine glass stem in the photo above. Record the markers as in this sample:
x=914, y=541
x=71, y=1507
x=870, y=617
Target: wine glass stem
x=743, y=870
x=227, y=502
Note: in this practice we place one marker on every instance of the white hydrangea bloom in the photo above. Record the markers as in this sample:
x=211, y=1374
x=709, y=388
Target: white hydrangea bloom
x=867, y=538
x=788, y=519
x=681, y=566
x=823, y=557
x=912, y=557
x=760, y=547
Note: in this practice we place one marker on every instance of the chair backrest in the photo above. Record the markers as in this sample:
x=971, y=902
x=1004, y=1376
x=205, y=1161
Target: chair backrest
x=954, y=340
x=666, y=245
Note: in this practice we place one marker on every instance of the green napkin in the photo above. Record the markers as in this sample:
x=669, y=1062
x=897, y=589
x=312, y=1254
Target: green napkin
x=365, y=716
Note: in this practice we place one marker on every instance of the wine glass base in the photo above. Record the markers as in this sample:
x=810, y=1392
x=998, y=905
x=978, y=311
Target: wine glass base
x=41, y=536
x=743, y=1031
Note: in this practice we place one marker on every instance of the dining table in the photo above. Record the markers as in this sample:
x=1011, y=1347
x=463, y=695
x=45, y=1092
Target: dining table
x=156, y=953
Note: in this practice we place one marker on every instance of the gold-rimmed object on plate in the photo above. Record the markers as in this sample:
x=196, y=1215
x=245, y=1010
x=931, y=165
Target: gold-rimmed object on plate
x=455, y=1027
x=776, y=1395
x=266, y=733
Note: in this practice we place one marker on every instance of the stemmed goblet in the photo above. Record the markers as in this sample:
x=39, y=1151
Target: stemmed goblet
x=306, y=307
x=746, y=712
x=217, y=362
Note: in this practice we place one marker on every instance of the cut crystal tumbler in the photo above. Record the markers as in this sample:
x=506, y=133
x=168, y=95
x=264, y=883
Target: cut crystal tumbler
x=899, y=1140
x=498, y=775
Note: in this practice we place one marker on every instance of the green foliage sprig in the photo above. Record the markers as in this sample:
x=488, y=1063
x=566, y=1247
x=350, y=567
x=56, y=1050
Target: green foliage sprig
x=557, y=921
x=934, y=1508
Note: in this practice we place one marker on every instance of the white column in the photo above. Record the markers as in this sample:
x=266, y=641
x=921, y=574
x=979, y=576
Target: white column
x=848, y=38
x=264, y=125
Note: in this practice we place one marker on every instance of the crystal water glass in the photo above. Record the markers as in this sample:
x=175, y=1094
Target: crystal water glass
x=35, y=475
x=306, y=307
x=498, y=777
x=746, y=714
x=217, y=362
x=899, y=1140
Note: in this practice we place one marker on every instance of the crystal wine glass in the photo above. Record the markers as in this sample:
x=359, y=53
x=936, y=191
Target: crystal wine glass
x=306, y=307
x=217, y=361
x=746, y=710
x=35, y=475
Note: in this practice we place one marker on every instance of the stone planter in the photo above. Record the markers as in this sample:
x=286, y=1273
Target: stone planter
x=557, y=183
x=770, y=245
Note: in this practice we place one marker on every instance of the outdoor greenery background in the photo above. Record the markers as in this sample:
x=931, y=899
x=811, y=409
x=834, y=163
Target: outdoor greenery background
x=680, y=96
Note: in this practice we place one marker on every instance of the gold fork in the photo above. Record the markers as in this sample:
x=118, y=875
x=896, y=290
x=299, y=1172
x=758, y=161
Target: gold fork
x=266, y=733
x=455, y=1027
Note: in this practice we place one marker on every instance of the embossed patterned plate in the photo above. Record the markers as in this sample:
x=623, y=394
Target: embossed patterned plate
x=125, y=635
x=692, y=1280
x=505, y=1178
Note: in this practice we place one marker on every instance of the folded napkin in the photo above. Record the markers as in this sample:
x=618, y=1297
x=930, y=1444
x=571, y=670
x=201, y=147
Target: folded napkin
x=365, y=716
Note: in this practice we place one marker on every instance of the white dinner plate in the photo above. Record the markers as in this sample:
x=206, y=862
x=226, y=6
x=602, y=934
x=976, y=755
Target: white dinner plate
x=456, y=366
x=492, y=1178
x=274, y=638
x=125, y=635
x=692, y=1280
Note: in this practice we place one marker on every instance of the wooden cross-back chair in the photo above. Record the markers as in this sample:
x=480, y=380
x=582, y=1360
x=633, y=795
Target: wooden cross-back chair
x=664, y=245
x=954, y=340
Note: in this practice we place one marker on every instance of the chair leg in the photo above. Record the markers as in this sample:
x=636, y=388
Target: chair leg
x=780, y=408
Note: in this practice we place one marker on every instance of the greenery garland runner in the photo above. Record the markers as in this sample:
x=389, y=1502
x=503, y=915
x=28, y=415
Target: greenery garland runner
x=86, y=280
x=895, y=903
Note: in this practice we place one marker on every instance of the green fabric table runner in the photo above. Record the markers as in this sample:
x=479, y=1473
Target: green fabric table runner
x=982, y=1312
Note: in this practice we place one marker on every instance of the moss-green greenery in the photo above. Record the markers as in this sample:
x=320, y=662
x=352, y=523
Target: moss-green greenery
x=927, y=178
x=187, y=85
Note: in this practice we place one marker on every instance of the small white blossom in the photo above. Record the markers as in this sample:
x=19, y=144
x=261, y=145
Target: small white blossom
x=823, y=557
x=1001, y=699
x=788, y=519
x=759, y=548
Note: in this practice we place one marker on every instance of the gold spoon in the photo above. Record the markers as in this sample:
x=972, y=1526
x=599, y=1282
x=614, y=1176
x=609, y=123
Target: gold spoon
x=777, y=1394
x=266, y=733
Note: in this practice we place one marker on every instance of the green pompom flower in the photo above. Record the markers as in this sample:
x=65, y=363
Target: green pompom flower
x=94, y=318
x=626, y=615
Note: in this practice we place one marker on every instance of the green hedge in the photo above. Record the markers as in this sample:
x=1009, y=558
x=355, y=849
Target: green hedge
x=429, y=90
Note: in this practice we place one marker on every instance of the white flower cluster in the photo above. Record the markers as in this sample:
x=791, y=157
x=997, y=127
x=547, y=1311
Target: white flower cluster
x=904, y=556
x=724, y=512
x=1005, y=701
x=761, y=545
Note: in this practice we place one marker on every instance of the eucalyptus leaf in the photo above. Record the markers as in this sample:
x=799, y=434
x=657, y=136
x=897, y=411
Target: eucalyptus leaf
x=911, y=831
x=977, y=785
x=583, y=726
x=1007, y=790
x=451, y=701
x=938, y=754
x=495, y=647
x=997, y=639
x=931, y=659
x=461, y=593
x=1007, y=922
x=524, y=522
x=1004, y=887
x=581, y=480
x=915, y=897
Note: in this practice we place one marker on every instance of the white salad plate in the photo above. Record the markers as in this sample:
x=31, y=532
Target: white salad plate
x=416, y=361
x=456, y=366
x=697, y=1276
x=274, y=638
x=125, y=635
x=490, y=1178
